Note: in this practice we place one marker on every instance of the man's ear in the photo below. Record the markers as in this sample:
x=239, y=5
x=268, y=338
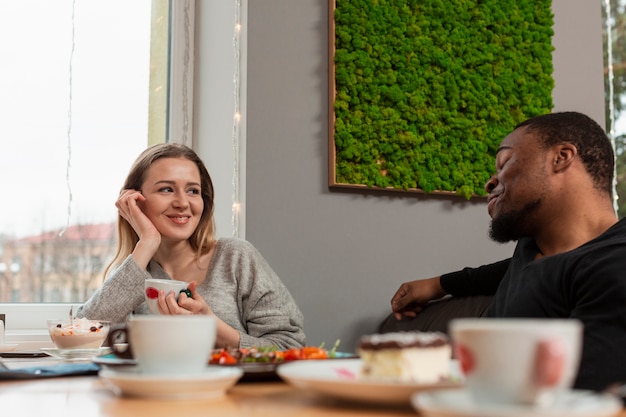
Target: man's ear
x=564, y=156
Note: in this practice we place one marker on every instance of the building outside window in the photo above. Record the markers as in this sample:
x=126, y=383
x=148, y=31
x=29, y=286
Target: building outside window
x=85, y=88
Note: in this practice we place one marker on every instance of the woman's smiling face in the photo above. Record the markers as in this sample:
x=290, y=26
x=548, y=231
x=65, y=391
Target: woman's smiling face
x=174, y=204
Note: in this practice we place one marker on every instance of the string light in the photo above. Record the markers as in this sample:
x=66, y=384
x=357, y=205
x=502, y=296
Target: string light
x=236, y=132
x=69, y=126
x=186, y=61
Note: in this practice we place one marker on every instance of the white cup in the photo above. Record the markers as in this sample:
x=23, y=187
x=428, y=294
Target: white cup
x=153, y=285
x=169, y=344
x=517, y=361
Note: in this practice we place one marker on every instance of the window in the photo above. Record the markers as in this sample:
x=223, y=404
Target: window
x=85, y=89
x=614, y=16
x=173, y=49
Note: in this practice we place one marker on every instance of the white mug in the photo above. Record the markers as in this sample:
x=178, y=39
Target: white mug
x=153, y=285
x=165, y=344
x=517, y=361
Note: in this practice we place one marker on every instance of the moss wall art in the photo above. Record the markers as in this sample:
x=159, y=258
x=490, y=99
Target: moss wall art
x=423, y=91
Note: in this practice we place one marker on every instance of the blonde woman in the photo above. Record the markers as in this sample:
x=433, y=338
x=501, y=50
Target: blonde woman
x=166, y=230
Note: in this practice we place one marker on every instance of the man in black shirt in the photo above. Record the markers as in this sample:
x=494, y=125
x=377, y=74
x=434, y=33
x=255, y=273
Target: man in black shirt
x=552, y=193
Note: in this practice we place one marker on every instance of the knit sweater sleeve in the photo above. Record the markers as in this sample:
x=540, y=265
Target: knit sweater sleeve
x=483, y=280
x=121, y=292
x=245, y=292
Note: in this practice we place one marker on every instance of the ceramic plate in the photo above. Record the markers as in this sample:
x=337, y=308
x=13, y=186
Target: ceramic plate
x=212, y=383
x=458, y=403
x=339, y=378
x=8, y=347
x=76, y=354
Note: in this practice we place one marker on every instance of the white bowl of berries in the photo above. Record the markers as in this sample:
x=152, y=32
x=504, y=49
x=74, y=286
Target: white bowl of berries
x=78, y=333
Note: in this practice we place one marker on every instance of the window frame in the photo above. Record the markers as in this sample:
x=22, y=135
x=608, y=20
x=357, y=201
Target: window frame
x=25, y=322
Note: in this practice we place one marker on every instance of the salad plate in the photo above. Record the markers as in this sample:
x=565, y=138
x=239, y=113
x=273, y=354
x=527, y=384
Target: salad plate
x=458, y=403
x=76, y=354
x=267, y=370
x=131, y=382
x=339, y=378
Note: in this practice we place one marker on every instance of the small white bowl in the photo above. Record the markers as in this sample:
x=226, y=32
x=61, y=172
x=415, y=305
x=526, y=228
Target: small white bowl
x=78, y=334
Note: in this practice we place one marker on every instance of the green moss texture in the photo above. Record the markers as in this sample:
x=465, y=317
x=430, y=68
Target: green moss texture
x=427, y=89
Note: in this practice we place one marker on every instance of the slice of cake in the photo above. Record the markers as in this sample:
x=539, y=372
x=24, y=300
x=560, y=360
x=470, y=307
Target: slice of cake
x=418, y=357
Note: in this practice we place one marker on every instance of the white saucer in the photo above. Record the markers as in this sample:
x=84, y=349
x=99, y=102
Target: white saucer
x=76, y=354
x=8, y=347
x=212, y=383
x=458, y=403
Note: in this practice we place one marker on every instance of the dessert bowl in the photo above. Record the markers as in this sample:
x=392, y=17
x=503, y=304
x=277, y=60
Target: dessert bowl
x=78, y=333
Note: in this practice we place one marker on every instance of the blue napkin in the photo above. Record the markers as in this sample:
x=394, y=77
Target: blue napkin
x=50, y=371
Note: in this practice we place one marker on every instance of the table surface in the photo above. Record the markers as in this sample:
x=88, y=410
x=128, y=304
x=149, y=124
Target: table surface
x=88, y=396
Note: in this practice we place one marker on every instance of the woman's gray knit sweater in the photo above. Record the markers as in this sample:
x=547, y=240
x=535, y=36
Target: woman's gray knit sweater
x=241, y=288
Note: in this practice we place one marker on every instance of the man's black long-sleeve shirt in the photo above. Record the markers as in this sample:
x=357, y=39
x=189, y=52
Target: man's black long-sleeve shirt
x=587, y=283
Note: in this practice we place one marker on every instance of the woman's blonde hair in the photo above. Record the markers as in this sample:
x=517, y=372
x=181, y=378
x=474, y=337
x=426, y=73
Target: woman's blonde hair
x=202, y=238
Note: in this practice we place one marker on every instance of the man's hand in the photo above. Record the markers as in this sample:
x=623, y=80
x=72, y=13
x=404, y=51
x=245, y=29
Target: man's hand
x=412, y=296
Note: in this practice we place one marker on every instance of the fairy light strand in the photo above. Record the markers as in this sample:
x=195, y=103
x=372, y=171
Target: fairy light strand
x=236, y=132
x=68, y=166
x=186, y=58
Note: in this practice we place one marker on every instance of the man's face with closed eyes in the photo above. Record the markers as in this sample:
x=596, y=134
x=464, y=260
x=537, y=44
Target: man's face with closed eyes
x=518, y=188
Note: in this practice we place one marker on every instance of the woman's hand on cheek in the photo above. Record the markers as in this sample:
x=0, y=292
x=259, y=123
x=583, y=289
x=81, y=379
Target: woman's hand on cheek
x=129, y=206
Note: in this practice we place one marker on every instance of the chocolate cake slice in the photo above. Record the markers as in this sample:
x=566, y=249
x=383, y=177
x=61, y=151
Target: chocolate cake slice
x=417, y=357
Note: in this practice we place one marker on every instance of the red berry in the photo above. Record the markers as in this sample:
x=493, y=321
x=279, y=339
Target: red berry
x=152, y=293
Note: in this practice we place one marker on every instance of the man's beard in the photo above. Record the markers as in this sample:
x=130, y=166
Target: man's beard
x=512, y=226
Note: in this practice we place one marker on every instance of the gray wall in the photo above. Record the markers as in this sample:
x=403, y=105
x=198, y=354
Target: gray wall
x=343, y=254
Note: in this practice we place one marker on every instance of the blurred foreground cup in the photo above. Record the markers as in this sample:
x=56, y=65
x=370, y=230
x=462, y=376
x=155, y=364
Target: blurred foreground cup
x=166, y=344
x=517, y=361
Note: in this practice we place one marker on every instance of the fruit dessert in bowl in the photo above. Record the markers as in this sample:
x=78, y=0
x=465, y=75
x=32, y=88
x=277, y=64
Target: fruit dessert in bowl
x=78, y=333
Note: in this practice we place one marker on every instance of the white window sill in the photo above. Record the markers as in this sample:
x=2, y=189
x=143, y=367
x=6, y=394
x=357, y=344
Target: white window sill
x=29, y=340
x=25, y=324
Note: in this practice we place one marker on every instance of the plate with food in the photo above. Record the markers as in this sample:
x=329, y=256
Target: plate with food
x=390, y=368
x=262, y=362
x=342, y=379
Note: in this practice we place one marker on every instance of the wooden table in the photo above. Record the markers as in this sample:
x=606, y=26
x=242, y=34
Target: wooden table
x=88, y=396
